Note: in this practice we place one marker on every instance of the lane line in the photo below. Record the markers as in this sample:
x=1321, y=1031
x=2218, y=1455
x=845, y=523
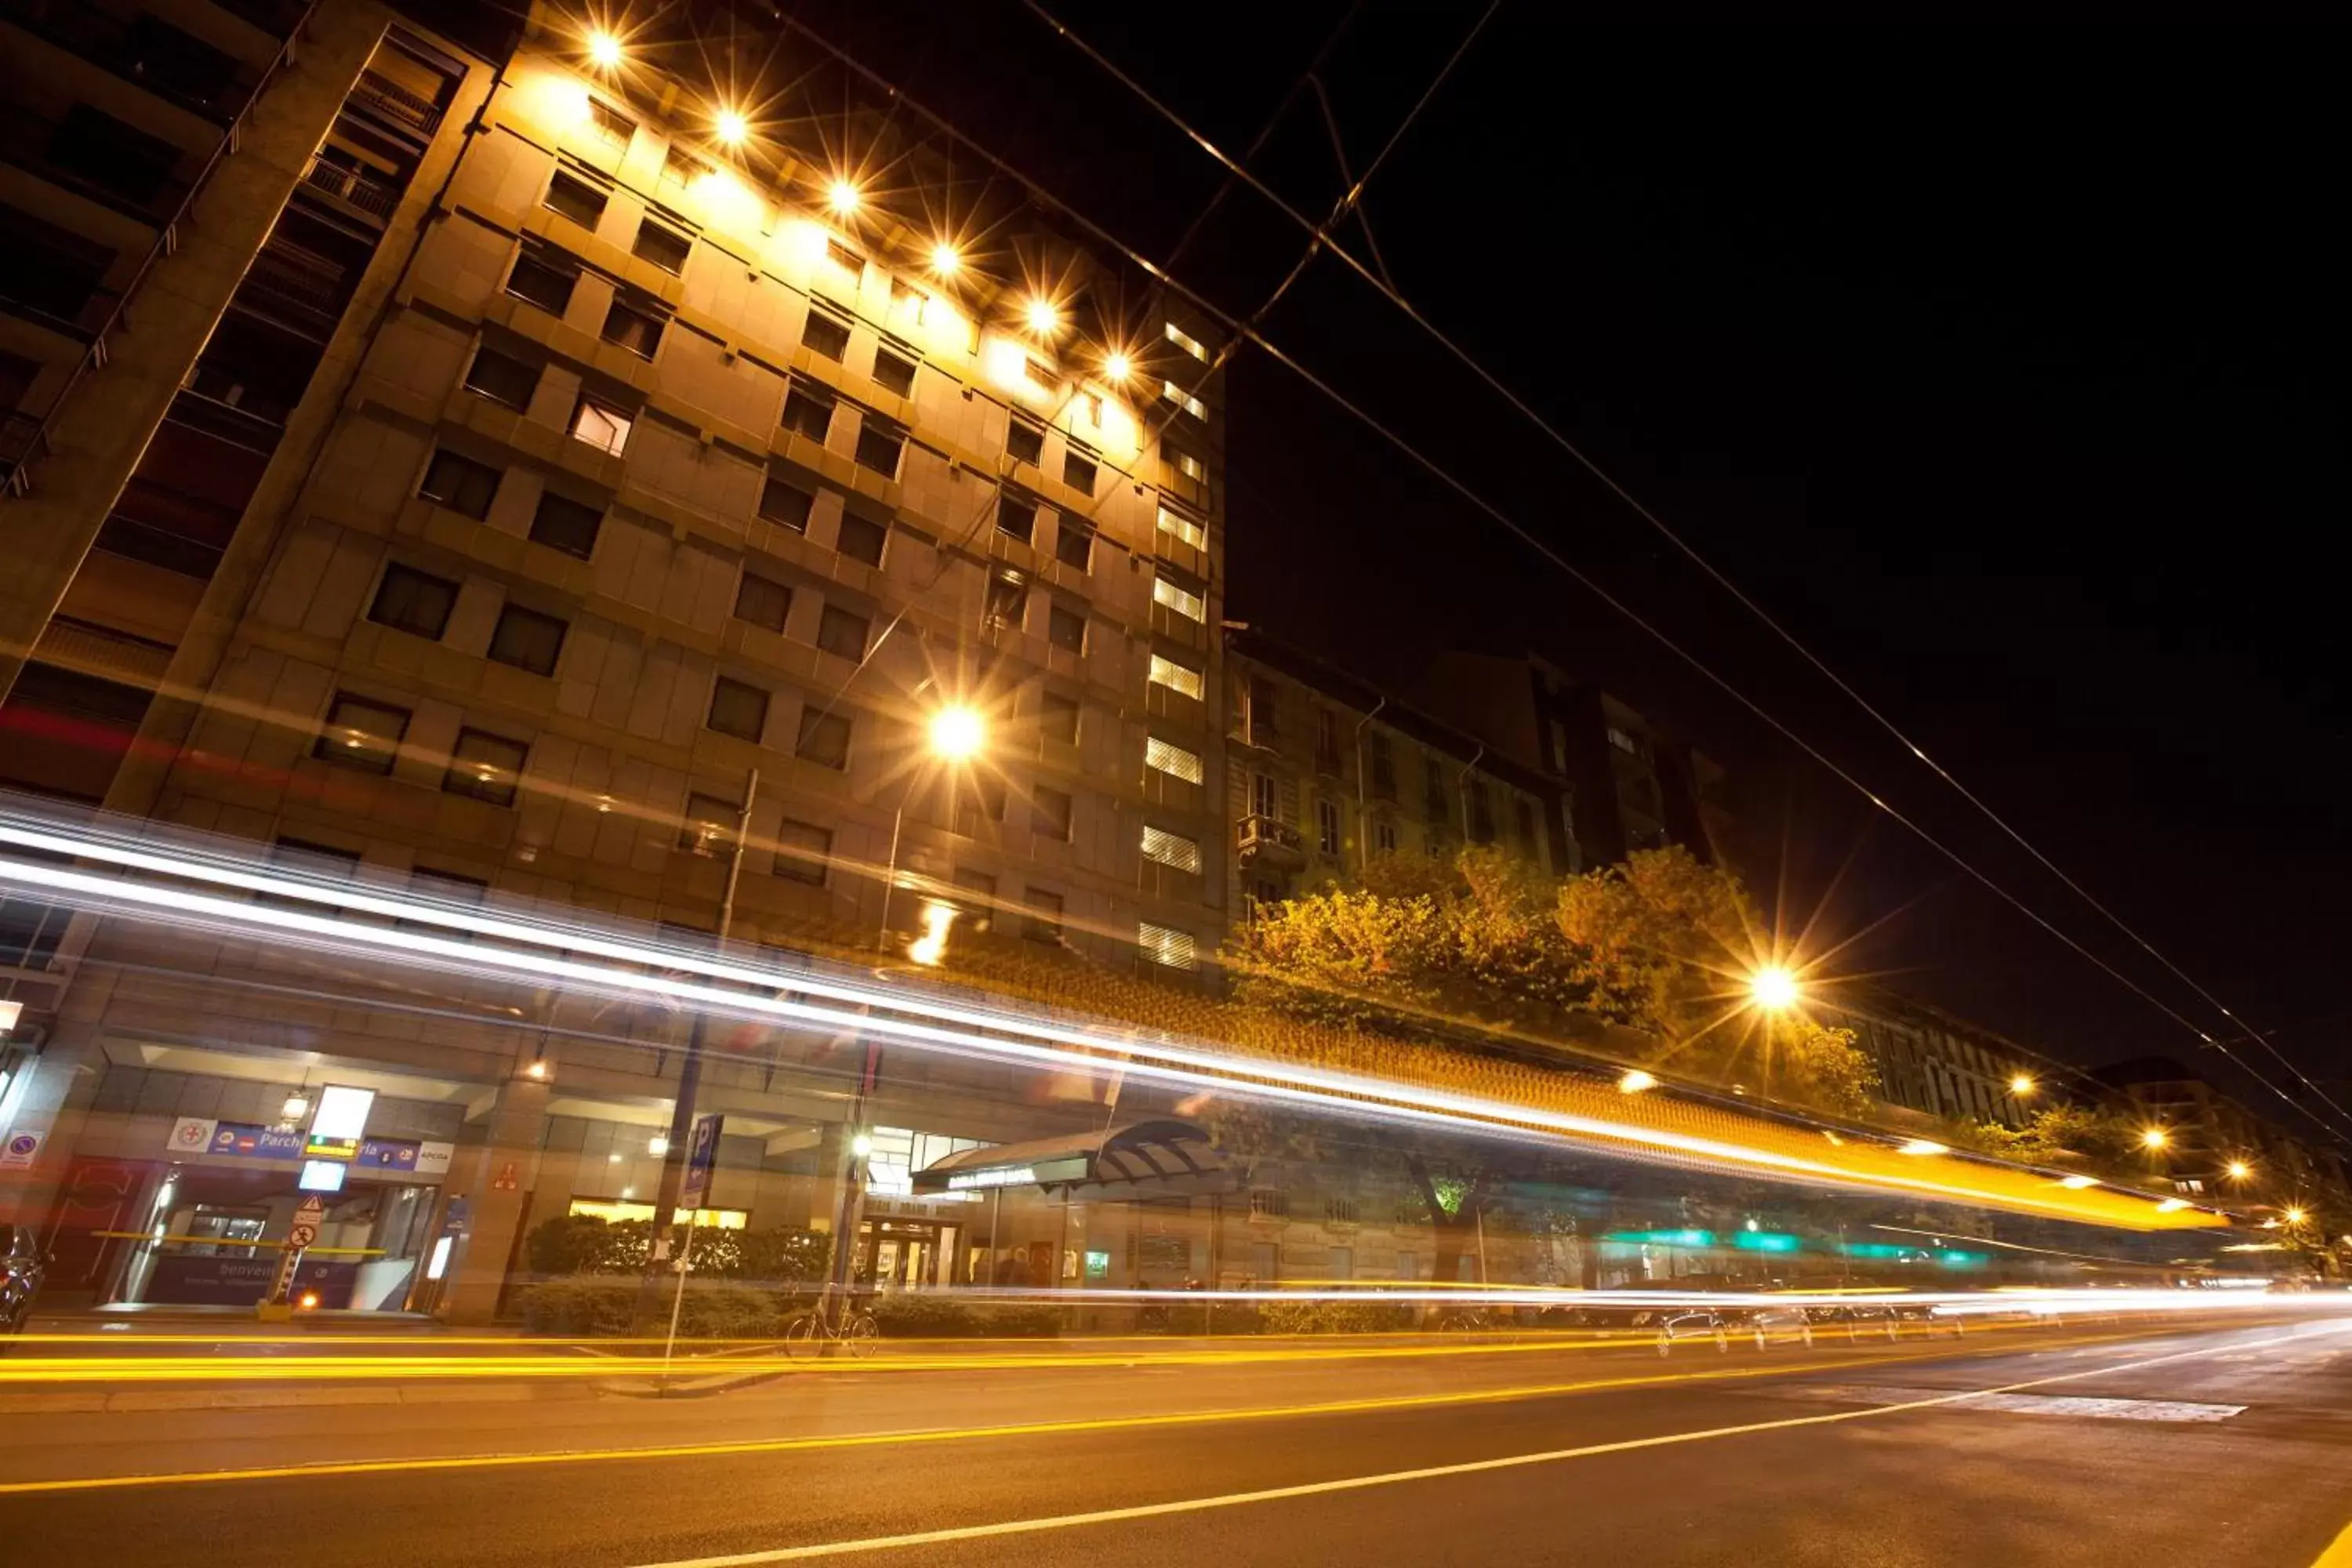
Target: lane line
x=1396, y=1478
x=970, y=1434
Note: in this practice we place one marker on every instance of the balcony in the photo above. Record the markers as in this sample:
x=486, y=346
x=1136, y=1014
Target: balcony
x=144, y=52
x=357, y=192
x=1265, y=840
x=395, y=104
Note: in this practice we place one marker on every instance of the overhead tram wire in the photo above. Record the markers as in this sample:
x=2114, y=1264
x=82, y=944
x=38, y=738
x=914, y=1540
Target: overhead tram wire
x=1236, y=170
x=1521, y=533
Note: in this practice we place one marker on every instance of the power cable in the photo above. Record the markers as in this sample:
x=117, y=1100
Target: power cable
x=1386, y=289
x=1521, y=533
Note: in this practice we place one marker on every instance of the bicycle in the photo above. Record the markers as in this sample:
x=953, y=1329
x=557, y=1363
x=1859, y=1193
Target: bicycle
x=806, y=1335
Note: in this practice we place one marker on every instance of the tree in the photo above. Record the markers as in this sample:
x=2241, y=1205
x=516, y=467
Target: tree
x=1822, y=1068
x=1653, y=939
x=2058, y=1133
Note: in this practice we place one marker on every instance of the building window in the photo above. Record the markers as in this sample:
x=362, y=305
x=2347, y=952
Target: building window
x=737, y=709
x=1078, y=472
x=1183, y=400
x=1433, y=789
x=1382, y=766
x=1182, y=679
x=611, y=127
x=1007, y=600
x=526, y=640
x=709, y=826
x=843, y=632
x=562, y=523
x=663, y=245
x=633, y=323
x=1176, y=761
x=1266, y=797
x=680, y=167
x=1189, y=468
x=362, y=734
x=827, y=334
x=1188, y=342
x=1065, y=628
x=1058, y=718
x=1182, y=529
x=880, y=446
x=1261, y=713
x=460, y=484
x=1623, y=742
x=1025, y=442
x=502, y=378
x=485, y=767
x=1177, y=595
x=980, y=906
x=543, y=277
x=1171, y=850
x=1042, y=920
x=1523, y=822
x=1384, y=837
x=861, y=539
x=1168, y=948
x=984, y=804
x=762, y=602
x=824, y=739
x=1074, y=543
x=1480, y=809
x=781, y=500
x=1268, y=1202
x=804, y=851
x=845, y=259
x=601, y=424
x=893, y=373
x=575, y=198
x=1327, y=742
x=1558, y=747
x=413, y=601
x=1327, y=828
x=1049, y=811
x=1016, y=517
x=808, y=411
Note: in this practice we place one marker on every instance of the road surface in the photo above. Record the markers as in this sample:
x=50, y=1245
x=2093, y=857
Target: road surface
x=2209, y=1448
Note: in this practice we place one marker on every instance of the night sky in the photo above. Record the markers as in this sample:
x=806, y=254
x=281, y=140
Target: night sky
x=2003, y=368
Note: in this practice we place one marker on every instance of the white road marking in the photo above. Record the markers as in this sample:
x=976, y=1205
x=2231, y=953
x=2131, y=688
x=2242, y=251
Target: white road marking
x=2023, y=1404
x=1394, y=1477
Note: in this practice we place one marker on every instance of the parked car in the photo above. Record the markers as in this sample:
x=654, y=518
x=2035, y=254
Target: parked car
x=1769, y=1325
x=1694, y=1323
x=22, y=1267
x=1860, y=1320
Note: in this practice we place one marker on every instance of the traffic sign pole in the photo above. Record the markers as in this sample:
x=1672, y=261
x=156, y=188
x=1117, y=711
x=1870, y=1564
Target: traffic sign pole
x=299, y=1237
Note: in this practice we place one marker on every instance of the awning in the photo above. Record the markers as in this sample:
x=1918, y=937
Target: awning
x=1161, y=1159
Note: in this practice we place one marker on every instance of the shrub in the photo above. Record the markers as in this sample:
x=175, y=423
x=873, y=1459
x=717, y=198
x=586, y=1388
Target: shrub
x=584, y=1244
x=1365, y=1316
x=587, y=1307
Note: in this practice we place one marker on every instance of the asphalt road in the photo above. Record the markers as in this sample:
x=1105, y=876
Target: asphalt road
x=2188, y=1450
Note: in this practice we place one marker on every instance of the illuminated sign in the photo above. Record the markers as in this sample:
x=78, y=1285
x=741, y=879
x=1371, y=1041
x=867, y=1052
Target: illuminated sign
x=323, y=1175
x=1685, y=1238
x=318, y=1148
x=342, y=1113
x=1003, y=1177
x=1765, y=1241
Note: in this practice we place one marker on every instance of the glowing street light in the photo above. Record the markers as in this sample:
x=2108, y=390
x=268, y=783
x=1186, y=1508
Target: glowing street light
x=2078, y=1182
x=1044, y=319
x=603, y=50
x=945, y=259
x=731, y=127
x=1635, y=1082
x=1923, y=1146
x=1118, y=367
x=843, y=198
x=1774, y=989
x=2023, y=1085
x=2154, y=1138
x=2294, y=1217
x=957, y=733
x=2239, y=1170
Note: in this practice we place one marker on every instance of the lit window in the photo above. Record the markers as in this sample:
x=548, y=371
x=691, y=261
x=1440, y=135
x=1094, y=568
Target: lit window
x=1189, y=466
x=485, y=767
x=1623, y=742
x=601, y=425
x=1176, y=677
x=362, y=734
x=1171, y=850
x=1166, y=590
x=1173, y=949
x=1172, y=759
x=1188, y=342
x=1183, y=400
x=1176, y=525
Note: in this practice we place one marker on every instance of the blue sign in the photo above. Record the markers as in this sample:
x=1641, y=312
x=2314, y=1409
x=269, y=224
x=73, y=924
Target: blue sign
x=701, y=1160
x=254, y=1142
x=459, y=1219
x=388, y=1154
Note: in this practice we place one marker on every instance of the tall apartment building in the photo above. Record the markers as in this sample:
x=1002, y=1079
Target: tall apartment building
x=1325, y=770
x=1615, y=781
x=518, y=453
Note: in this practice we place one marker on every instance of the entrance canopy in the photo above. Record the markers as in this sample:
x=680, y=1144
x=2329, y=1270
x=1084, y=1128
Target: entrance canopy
x=1160, y=1159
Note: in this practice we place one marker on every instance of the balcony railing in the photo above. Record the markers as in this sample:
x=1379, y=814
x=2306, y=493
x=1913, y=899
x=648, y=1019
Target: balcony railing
x=1264, y=838
x=390, y=101
x=352, y=188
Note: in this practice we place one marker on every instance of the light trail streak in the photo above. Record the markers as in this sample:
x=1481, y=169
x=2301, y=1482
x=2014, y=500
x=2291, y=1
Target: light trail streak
x=928, y=1435
x=931, y=1022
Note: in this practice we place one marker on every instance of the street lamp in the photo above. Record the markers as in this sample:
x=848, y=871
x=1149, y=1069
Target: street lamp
x=957, y=733
x=1044, y=318
x=842, y=197
x=731, y=127
x=2023, y=1085
x=2239, y=1170
x=2294, y=1217
x=2154, y=1138
x=1774, y=989
x=603, y=50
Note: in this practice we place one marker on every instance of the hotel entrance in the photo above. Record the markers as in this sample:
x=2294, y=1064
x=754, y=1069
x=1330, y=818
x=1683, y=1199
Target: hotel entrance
x=903, y=1254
